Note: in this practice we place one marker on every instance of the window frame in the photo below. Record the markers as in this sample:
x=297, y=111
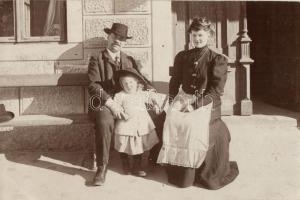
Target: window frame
x=19, y=27
x=11, y=38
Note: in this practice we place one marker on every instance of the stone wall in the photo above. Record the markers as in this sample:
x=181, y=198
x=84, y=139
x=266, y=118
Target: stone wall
x=85, y=37
x=136, y=14
x=150, y=23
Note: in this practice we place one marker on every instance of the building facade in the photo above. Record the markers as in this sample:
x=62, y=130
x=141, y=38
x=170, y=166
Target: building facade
x=39, y=74
x=45, y=47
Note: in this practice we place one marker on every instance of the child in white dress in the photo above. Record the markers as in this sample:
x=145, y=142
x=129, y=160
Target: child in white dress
x=135, y=131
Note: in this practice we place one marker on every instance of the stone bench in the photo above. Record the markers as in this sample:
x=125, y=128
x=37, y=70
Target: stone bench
x=40, y=123
x=73, y=135
x=47, y=133
x=46, y=119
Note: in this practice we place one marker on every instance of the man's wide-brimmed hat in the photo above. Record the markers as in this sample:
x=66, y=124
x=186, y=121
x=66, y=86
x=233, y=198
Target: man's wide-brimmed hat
x=5, y=115
x=130, y=71
x=118, y=29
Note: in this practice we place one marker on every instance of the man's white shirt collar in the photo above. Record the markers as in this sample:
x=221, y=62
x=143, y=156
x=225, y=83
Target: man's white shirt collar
x=113, y=55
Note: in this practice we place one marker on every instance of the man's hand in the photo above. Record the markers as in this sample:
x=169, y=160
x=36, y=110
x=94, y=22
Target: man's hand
x=115, y=108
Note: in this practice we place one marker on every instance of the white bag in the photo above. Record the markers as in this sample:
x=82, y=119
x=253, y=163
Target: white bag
x=185, y=137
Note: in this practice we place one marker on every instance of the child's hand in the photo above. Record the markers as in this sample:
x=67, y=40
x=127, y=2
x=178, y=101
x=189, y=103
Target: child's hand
x=124, y=116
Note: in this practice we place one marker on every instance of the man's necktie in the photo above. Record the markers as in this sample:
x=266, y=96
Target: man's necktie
x=117, y=61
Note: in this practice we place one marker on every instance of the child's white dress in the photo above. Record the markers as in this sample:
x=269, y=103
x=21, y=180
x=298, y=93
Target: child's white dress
x=137, y=134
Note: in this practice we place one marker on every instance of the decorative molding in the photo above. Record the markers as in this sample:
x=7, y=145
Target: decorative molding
x=98, y=6
x=132, y=6
x=139, y=29
x=44, y=80
x=219, y=21
x=245, y=40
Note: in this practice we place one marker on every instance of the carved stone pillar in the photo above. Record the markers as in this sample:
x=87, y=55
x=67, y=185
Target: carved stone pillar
x=245, y=61
x=219, y=16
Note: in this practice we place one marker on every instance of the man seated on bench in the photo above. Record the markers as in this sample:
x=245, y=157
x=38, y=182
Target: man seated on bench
x=102, y=87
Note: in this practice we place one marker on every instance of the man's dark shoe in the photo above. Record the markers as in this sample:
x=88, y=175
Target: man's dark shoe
x=99, y=178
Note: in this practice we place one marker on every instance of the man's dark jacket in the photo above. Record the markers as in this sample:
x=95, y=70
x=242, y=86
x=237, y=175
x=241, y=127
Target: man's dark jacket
x=102, y=84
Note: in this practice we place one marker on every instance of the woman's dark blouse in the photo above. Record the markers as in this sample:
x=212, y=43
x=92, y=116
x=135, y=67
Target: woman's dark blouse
x=206, y=76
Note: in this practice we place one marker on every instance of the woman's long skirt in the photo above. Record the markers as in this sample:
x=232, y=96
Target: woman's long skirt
x=216, y=170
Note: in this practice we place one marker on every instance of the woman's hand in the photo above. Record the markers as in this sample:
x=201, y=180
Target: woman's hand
x=183, y=105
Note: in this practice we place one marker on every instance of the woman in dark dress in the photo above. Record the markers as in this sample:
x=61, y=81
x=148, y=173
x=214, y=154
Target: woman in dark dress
x=202, y=72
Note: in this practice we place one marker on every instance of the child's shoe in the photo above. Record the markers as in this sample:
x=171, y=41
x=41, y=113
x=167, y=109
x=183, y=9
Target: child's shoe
x=125, y=164
x=137, y=166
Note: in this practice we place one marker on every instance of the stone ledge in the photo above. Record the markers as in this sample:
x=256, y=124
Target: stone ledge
x=74, y=79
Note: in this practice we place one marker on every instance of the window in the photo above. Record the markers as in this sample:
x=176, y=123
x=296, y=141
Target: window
x=32, y=20
x=6, y=19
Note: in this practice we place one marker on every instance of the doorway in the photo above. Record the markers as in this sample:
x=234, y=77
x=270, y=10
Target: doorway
x=274, y=28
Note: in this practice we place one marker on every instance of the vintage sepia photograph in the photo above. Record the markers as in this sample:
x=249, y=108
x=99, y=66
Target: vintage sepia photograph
x=149, y=100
